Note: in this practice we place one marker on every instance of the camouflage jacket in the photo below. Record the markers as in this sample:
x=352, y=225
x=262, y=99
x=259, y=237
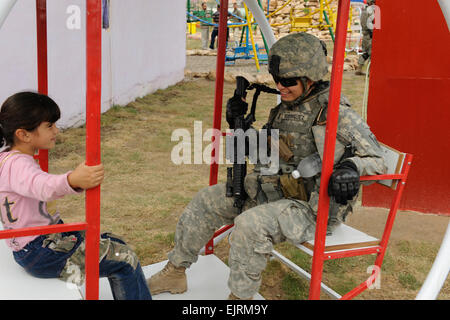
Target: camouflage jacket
x=367, y=20
x=301, y=126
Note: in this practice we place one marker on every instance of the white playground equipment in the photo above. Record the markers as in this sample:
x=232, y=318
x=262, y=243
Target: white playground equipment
x=207, y=278
x=439, y=271
x=5, y=8
x=445, y=6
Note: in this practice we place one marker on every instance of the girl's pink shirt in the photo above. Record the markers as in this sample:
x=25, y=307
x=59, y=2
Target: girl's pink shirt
x=24, y=191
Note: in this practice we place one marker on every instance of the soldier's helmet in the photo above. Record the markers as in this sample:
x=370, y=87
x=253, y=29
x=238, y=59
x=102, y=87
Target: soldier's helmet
x=298, y=55
x=370, y=2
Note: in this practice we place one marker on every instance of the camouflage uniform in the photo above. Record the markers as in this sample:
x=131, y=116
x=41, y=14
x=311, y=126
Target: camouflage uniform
x=111, y=247
x=270, y=216
x=367, y=19
x=62, y=255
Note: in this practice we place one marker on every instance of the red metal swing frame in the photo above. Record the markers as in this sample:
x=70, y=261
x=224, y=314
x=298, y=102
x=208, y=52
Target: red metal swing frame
x=319, y=254
x=93, y=150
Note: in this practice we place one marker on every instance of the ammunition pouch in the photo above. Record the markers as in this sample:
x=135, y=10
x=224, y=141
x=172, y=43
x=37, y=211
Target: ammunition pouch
x=283, y=149
x=270, y=189
x=265, y=189
x=293, y=188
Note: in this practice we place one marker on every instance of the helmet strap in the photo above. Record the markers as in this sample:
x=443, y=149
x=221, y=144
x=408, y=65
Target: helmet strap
x=306, y=92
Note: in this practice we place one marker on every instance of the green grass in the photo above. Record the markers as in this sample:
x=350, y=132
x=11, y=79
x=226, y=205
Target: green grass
x=294, y=287
x=408, y=281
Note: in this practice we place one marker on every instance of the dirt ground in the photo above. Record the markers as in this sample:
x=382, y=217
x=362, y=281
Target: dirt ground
x=408, y=225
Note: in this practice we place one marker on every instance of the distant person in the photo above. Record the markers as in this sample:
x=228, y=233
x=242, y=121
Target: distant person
x=366, y=20
x=236, y=30
x=27, y=124
x=215, y=32
x=204, y=26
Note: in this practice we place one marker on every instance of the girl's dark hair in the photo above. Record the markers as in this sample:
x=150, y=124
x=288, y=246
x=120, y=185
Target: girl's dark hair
x=25, y=110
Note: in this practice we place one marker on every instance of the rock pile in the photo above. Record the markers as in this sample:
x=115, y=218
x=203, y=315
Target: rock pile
x=230, y=76
x=281, y=20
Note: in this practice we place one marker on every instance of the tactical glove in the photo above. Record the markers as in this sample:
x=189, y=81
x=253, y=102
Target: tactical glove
x=344, y=182
x=236, y=107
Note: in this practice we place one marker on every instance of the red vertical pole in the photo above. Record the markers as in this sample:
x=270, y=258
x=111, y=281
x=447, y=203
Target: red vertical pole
x=220, y=70
x=330, y=143
x=393, y=211
x=93, y=109
x=217, y=116
x=42, y=70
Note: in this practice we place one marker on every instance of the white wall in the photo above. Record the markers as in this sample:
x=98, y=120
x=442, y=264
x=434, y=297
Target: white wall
x=144, y=50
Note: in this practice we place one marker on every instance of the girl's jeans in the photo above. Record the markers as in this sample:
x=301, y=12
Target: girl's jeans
x=43, y=258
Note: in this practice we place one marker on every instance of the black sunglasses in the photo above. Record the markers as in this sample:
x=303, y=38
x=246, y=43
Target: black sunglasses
x=285, y=82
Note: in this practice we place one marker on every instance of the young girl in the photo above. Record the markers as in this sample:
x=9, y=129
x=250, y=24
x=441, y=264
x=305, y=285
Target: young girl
x=27, y=124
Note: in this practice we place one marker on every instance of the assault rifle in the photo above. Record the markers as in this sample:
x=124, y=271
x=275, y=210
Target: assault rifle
x=237, y=173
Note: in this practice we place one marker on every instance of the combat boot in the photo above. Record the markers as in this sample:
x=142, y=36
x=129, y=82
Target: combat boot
x=170, y=279
x=233, y=297
x=358, y=71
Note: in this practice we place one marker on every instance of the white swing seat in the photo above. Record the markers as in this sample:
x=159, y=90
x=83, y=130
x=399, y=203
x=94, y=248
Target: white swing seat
x=207, y=280
x=17, y=284
x=343, y=237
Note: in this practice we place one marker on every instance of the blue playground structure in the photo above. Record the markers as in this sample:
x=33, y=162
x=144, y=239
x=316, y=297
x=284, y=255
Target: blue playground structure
x=245, y=51
x=240, y=50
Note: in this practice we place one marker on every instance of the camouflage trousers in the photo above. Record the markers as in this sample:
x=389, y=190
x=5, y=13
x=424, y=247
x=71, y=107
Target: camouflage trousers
x=366, y=48
x=257, y=229
x=62, y=255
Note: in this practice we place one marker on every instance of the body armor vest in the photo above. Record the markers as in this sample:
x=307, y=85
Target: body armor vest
x=295, y=125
